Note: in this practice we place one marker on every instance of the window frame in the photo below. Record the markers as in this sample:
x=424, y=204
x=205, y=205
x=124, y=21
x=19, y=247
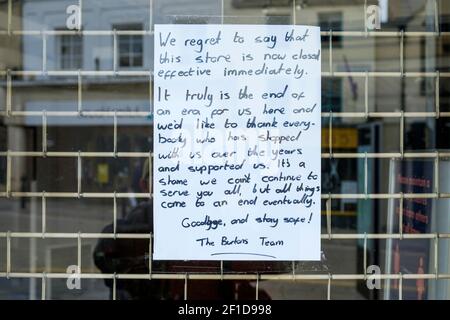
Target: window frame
x=131, y=43
x=73, y=64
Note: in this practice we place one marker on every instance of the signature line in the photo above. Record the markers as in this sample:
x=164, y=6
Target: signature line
x=246, y=253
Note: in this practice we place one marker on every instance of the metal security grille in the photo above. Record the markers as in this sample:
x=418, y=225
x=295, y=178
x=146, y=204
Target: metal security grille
x=80, y=157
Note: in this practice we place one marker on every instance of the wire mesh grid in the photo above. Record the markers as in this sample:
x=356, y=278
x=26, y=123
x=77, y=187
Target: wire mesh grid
x=78, y=76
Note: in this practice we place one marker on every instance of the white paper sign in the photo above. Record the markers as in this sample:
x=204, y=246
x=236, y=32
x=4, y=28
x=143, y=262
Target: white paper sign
x=237, y=142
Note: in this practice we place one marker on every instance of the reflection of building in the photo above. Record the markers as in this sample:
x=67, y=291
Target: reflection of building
x=65, y=54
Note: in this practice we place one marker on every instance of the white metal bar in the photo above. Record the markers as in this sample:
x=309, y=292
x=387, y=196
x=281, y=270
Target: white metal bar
x=228, y=276
x=85, y=73
x=150, y=17
x=9, y=17
x=330, y=48
x=150, y=256
x=114, y=293
x=129, y=195
x=80, y=15
x=110, y=195
x=257, y=287
x=186, y=286
x=365, y=257
x=436, y=173
x=8, y=93
x=150, y=96
x=74, y=154
x=385, y=196
x=146, y=73
x=402, y=54
x=328, y=209
x=53, y=235
x=150, y=174
x=115, y=215
x=76, y=32
x=436, y=255
x=32, y=249
x=99, y=195
x=80, y=93
x=222, y=11
x=366, y=96
x=436, y=18
x=121, y=195
x=437, y=94
x=402, y=132
x=79, y=252
x=79, y=172
x=400, y=215
x=334, y=236
x=8, y=173
x=115, y=134
x=44, y=133
x=384, y=74
x=342, y=33
x=8, y=254
x=366, y=174
x=381, y=236
x=365, y=18
x=329, y=287
x=44, y=214
x=115, y=53
x=294, y=12
x=44, y=54
x=384, y=34
x=385, y=155
x=43, y=286
x=389, y=114
x=146, y=114
x=330, y=135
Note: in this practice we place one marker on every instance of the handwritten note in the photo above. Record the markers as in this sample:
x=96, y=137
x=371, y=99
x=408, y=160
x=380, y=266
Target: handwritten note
x=237, y=142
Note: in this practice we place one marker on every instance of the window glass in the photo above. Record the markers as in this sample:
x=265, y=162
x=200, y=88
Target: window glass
x=76, y=144
x=130, y=47
x=70, y=52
